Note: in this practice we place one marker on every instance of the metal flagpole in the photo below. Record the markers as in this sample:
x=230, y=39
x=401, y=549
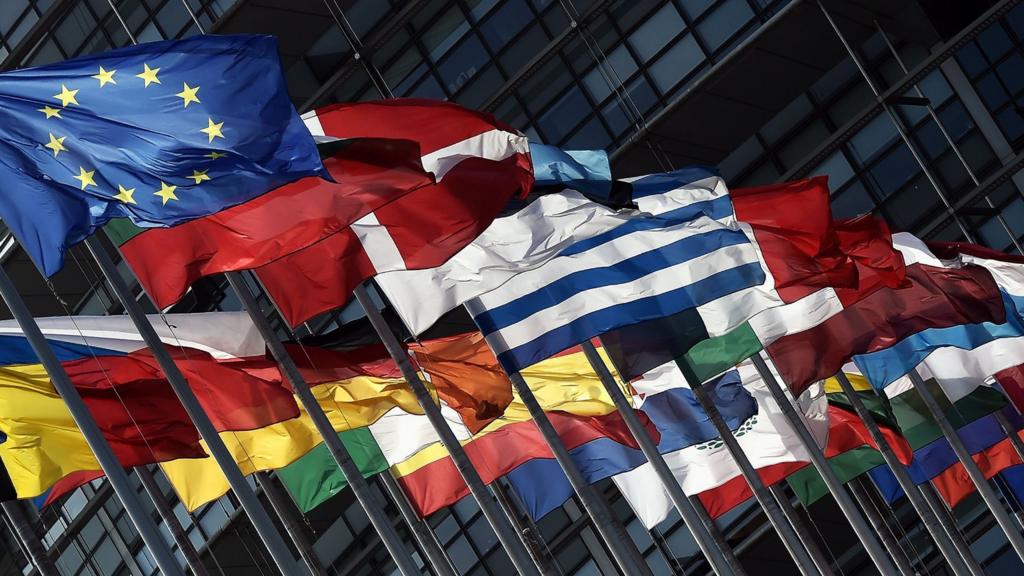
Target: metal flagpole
x=239, y=485
x=421, y=531
x=527, y=529
x=192, y=559
x=360, y=487
x=938, y=507
x=714, y=555
x=1011, y=433
x=860, y=527
x=282, y=507
x=508, y=537
x=620, y=545
x=14, y=512
x=108, y=461
x=717, y=537
x=931, y=522
x=786, y=533
x=973, y=472
x=882, y=529
x=789, y=511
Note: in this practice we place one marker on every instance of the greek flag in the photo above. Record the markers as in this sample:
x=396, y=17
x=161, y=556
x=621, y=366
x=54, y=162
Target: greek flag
x=683, y=250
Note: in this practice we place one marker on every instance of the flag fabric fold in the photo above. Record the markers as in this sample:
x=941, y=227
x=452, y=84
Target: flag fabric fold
x=84, y=147
x=706, y=468
x=478, y=163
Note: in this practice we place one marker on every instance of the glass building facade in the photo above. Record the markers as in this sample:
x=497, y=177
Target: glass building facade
x=763, y=89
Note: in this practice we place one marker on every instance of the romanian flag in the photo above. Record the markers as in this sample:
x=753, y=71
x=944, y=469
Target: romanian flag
x=221, y=355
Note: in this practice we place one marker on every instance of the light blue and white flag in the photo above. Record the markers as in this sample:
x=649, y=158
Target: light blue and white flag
x=684, y=250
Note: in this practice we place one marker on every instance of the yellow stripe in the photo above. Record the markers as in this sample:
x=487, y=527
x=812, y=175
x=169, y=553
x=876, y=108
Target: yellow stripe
x=43, y=443
x=860, y=384
x=566, y=383
x=349, y=404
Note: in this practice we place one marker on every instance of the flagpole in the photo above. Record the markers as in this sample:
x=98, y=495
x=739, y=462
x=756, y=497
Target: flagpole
x=526, y=529
x=508, y=537
x=789, y=511
x=621, y=546
x=261, y=521
x=973, y=472
x=421, y=531
x=714, y=555
x=1011, y=433
x=14, y=512
x=360, y=487
x=790, y=539
x=963, y=549
x=717, y=537
x=882, y=529
x=282, y=508
x=108, y=461
x=931, y=522
x=860, y=527
x=192, y=559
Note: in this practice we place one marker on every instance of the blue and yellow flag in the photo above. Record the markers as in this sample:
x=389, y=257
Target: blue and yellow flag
x=160, y=133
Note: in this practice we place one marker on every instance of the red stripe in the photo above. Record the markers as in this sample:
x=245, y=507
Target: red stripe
x=933, y=298
x=954, y=485
x=950, y=250
x=429, y=226
x=792, y=223
x=432, y=123
x=68, y=483
x=495, y=454
x=1012, y=382
x=718, y=501
x=369, y=173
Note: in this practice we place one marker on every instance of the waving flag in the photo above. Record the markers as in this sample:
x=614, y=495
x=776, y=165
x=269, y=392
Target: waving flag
x=160, y=133
x=685, y=251
x=816, y=265
x=706, y=468
x=478, y=163
x=134, y=406
x=959, y=357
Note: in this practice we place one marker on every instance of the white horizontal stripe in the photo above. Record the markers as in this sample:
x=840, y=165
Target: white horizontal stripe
x=916, y=252
x=494, y=144
x=400, y=435
x=378, y=244
x=599, y=298
x=804, y=314
x=604, y=256
x=960, y=371
x=1008, y=275
x=223, y=335
x=698, y=191
x=728, y=312
x=509, y=246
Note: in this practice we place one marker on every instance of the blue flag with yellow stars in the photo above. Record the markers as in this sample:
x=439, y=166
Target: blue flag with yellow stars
x=159, y=133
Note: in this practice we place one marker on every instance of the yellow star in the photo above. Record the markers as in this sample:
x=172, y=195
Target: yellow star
x=85, y=177
x=166, y=192
x=50, y=112
x=216, y=155
x=149, y=75
x=56, y=144
x=106, y=77
x=66, y=96
x=213, y=130
x=125, y=195
x=188, y=94
x=199, y=176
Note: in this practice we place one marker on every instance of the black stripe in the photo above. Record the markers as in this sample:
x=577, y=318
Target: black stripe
x=638, y=348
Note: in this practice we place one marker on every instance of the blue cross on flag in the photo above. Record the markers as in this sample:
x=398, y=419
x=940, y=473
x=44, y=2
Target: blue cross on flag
x=159, y=133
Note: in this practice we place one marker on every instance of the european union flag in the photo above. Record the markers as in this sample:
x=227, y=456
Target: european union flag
x=160, y=133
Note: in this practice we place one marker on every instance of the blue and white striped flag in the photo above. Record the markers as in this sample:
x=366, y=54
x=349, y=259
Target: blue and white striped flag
x=684, y=250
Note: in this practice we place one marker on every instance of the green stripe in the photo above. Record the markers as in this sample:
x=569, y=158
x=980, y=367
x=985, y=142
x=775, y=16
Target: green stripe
x=315, y=477
x=121, y=230
x=714, y=356
x=808, y=485
x=919, y=428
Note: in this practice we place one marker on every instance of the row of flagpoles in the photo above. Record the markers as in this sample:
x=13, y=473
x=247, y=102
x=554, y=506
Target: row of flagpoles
x=625, y=554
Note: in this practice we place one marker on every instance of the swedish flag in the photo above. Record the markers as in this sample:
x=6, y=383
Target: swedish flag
x=159, y=133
